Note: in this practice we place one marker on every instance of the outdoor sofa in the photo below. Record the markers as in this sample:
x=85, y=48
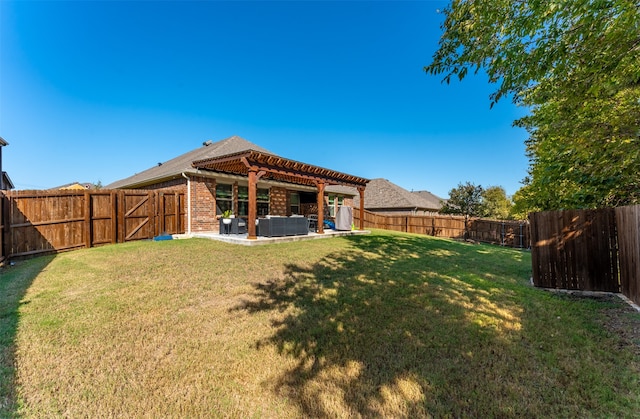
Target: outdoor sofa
x=283, y=226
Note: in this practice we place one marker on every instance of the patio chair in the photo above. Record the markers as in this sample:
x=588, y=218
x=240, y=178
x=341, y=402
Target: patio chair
x=313, y=222
x=242, y=226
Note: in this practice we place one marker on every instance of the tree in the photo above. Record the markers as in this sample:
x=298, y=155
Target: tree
x=495, y=203
x=583, y=158
x=464, y=200
x=576, y=65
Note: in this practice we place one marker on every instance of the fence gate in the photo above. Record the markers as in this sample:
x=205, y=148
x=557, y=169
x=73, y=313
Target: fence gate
x=136, y=211
x=169, y=217
x=37, y=222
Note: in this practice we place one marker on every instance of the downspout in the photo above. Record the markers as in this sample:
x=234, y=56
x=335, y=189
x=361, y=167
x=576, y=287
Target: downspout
x=188, y=202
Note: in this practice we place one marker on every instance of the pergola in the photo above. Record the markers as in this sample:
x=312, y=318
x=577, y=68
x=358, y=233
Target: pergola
x=257, y=165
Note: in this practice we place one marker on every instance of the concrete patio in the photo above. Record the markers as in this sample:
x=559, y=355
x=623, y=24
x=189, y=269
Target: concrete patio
x=243, y=240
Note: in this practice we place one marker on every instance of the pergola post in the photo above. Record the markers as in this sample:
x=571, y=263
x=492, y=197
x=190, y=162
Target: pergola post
x=253, y=204
x=361, y=192
x=320, y=207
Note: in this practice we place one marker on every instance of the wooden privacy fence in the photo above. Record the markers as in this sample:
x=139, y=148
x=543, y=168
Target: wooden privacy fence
x=575, y=249
x=628, y=222
x=505, y=233
x=591, y=250
x=35, y=222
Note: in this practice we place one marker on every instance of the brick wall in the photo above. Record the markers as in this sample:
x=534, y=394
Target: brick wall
x=179, y=184
x=278, y=201
x=203, y=204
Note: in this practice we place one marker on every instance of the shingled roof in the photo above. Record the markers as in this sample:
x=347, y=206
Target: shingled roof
x=183, y=163
x=432, y=199
x=381, y=194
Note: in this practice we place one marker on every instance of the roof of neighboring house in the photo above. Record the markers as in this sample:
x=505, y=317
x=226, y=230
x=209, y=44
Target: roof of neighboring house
x=6, y=181
x=182, y=164
x=432, y=199
x=383, y=194
x=77, y=185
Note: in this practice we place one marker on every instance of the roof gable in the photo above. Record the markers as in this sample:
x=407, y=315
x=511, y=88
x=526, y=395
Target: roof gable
x=182, y=164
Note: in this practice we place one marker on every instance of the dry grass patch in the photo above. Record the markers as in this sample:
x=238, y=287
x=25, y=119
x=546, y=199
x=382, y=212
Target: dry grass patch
x=389, y=324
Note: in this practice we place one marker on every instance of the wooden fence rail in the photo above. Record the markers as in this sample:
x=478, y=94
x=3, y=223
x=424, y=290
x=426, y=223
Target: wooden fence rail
x=505, y=233
x=36, y=222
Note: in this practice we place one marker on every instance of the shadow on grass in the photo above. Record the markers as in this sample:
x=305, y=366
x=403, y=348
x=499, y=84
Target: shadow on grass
x=402, y=326
x=14, y=283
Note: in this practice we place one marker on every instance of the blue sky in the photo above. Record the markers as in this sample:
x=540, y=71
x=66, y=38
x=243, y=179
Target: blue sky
x=97, y=91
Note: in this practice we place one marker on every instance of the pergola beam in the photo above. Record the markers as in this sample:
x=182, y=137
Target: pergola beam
x=301, y=173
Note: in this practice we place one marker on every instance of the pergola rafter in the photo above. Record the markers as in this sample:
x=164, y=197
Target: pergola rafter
x=258, y=165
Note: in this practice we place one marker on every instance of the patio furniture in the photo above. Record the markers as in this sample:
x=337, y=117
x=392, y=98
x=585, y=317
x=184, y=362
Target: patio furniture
x=283, y=226
x=234, y=226
x=242, y=226
x=313, y=222
x=225, y=225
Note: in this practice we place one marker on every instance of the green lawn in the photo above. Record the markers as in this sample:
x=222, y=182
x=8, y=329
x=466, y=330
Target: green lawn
x=386, y=324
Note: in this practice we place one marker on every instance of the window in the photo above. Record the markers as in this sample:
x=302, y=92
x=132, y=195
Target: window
x=243, y=201
x=262, y=200
x=294, y=203
x=224, y=198
x=334, y=201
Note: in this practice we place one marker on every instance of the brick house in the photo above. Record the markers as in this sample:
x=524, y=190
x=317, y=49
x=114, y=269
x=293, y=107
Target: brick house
x=218, y=176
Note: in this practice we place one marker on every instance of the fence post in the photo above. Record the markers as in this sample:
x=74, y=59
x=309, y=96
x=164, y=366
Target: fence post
x=114, y=217
x=4, y=220
x=176, y=205
x=520, y=235
x=152, y=213
x=161, y=229
x=9, y=224
x=87, y=220
x=122, y=205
